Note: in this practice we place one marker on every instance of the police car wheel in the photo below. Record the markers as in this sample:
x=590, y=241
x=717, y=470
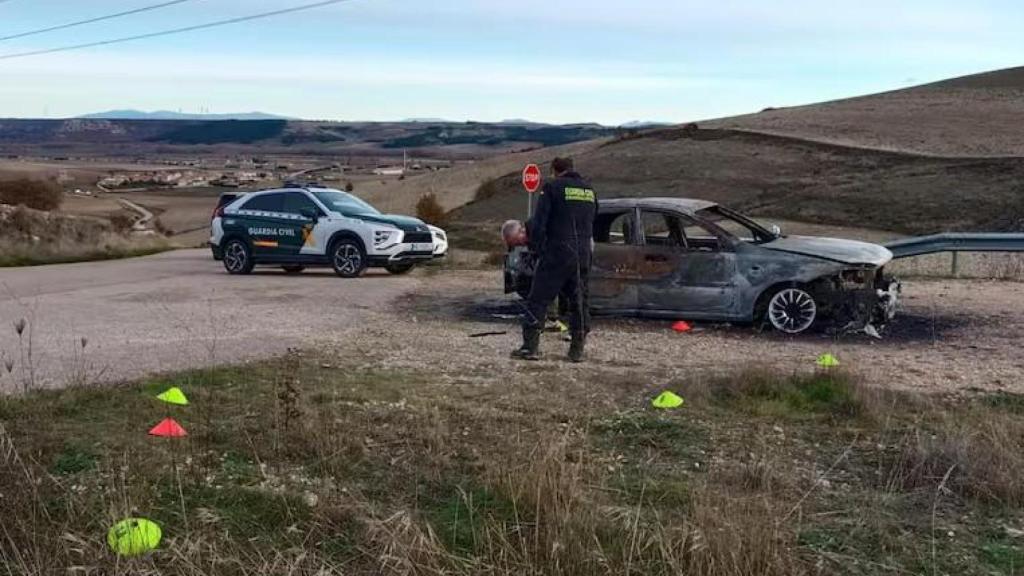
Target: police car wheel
x=348, y=258
x=238, y=257
x=399, y=269
x=293, y=269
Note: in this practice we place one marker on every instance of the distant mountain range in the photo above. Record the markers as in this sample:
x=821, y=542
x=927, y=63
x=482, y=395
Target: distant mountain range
x=169, y=115
x=130, y=114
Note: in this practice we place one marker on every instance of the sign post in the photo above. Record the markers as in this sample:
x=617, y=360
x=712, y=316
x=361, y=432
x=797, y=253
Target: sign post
x=531, y=182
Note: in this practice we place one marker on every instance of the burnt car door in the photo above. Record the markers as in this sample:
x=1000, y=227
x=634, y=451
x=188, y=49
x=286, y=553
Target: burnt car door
x=613, y=274
x=685, y=268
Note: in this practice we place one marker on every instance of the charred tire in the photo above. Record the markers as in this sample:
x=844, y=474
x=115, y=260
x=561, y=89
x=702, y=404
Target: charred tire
x=293, y=269
x=792, y=310
x=348, y=258
x=238, y=257
x=399, y=269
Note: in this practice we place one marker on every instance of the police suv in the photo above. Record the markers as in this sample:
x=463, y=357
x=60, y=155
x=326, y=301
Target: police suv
x=312, y=226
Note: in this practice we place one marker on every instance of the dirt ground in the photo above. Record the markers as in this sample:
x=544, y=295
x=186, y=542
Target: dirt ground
x=951, y=337
x=179, y=310
x=170, y=312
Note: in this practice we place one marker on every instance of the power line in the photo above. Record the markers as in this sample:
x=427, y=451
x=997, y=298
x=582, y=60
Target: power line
x=174, y=30
x=91, y=20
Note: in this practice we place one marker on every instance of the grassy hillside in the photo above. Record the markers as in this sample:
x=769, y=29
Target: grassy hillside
x=976, y=115
x=784, y=178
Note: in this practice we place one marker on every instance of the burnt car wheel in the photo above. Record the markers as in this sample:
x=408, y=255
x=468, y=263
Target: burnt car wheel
x=792, y=310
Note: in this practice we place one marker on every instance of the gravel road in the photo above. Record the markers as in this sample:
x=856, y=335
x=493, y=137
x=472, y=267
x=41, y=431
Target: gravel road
x=172, y=311
x=181, y=310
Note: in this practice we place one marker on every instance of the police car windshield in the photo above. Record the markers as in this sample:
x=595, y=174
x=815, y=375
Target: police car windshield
x=344, y=203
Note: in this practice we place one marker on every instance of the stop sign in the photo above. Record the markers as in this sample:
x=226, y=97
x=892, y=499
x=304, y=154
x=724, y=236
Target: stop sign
x=531, y=178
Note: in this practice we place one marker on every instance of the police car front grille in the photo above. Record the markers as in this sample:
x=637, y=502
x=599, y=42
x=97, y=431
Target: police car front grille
x=417, y=238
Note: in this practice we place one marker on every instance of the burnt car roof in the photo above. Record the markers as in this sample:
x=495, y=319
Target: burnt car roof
x=684, y=205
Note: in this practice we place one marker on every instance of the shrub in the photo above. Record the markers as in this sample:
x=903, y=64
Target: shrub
x=37, y=194
x=430, y=210
x=121, y=222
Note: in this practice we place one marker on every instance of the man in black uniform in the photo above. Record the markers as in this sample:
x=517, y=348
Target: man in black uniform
x=561, y=233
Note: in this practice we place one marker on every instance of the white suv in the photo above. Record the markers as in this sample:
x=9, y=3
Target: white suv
x=299, y=227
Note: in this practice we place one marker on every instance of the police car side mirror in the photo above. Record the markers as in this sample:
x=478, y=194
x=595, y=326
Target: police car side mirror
x=309, y=214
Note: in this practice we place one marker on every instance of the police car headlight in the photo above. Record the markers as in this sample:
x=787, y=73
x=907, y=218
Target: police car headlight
x=382, y=237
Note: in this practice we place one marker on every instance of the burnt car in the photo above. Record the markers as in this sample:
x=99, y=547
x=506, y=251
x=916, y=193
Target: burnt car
x=684, y=258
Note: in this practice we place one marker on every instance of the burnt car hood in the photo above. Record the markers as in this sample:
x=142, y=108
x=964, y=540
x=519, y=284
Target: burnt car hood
x=845, y=251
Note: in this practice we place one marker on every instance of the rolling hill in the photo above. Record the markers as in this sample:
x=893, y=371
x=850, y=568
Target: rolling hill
x=977, y=115
x=790, y=179
x=947, y=156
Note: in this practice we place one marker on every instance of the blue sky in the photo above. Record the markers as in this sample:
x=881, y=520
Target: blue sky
x=545, y=60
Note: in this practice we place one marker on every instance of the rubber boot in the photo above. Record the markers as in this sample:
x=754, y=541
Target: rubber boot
x=530, y=350
x=579, y=340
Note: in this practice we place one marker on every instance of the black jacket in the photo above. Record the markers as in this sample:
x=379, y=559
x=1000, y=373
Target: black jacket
x=563, y=224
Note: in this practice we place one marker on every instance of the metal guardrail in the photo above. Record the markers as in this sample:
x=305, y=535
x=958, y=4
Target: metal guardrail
x=956, y=242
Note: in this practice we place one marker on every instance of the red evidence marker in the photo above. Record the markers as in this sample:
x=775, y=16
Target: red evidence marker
x=168, y=428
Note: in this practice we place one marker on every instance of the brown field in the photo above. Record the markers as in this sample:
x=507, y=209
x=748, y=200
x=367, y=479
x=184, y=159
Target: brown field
x=973, y=116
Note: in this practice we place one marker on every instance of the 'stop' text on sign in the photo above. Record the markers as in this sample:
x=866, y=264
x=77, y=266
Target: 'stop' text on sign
x=531, y=178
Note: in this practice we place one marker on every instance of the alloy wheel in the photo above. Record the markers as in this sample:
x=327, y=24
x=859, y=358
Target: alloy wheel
x=792, y=311
x=348, y=260
x=235, y=257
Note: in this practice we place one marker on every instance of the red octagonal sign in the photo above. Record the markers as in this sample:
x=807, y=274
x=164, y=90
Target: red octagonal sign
x=531, y=178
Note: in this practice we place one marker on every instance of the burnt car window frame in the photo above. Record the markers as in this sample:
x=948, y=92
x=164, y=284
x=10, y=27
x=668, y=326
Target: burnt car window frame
x=665, y=214
x=632, y=213
x=762, y=235
x=725, y=241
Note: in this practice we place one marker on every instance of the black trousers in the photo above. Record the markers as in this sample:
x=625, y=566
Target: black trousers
x=565, y=275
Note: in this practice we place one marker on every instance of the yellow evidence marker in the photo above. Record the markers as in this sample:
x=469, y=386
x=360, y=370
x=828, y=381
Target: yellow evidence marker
x=134, y=536
x=828, y=361
x=173, y=396
x=667, y=400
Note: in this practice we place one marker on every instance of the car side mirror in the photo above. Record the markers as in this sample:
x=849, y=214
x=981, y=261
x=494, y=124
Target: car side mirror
x=309, y=214
x=775, y=230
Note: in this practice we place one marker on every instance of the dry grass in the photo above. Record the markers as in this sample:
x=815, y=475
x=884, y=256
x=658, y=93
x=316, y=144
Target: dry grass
x=980, y=459
x=291, y=467
x=36, y=194
x=987, y=266
x=31, y=237
x=430, y=210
